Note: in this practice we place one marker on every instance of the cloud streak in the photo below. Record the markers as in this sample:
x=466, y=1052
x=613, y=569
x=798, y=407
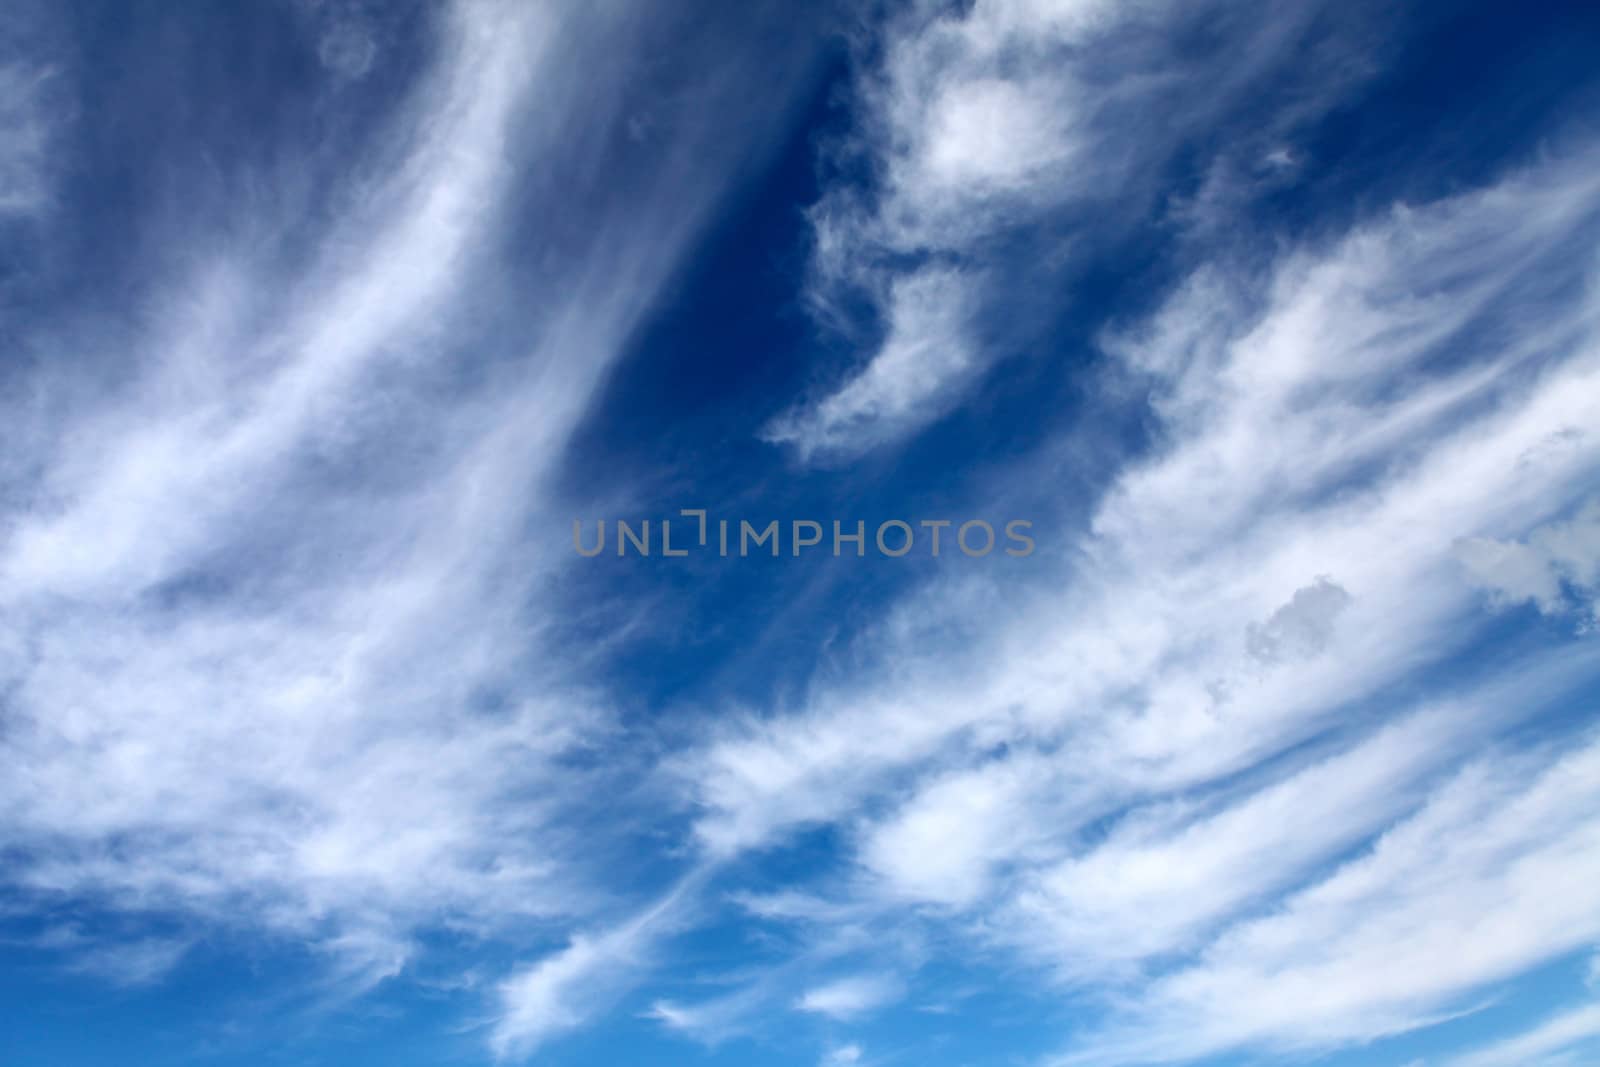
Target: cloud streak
x=1001, y=127
x=304, y=703
x=1307, y=489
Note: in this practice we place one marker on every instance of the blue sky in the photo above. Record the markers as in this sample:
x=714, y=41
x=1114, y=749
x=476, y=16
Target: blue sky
x=323, y=323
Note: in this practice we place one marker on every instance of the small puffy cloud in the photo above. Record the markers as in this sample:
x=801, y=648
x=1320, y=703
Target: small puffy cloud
x=1302, y=627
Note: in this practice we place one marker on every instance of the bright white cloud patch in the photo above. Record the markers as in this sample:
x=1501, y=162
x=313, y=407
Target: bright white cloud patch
x=987, y=120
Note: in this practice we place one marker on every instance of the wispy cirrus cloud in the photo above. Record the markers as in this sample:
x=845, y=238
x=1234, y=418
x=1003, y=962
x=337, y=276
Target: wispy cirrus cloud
x=1484, y=878
x=285, y=799
x=850, y=997
x=844, y=1054
x=1004, y=129
x=1280, y=417
x=24, y=149
x=1255, y=756
x=258, y=628
x=36, y=111
x=1554, y=1042
x=1329, y=429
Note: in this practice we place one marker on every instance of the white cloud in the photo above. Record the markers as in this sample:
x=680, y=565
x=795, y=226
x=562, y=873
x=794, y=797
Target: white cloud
x=130, y=960
x=1303, y=626
x=25, y=143
x=1152, y=747
x=285, y=752
x=1487, y=880
x=941, y=845
x=981, y=121
x=851, y=997
x=1300, y=440
x=806, y=980
x=557, y=993
x=844, y=1054
x=1554, y=1042
x=329, y=714
x=1167, y=876
x=714, y=1020
x=1556, y=557
x=35, y=111
x=926, y=354
x=313, y=705
x=348, y=36
x=569, y=987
